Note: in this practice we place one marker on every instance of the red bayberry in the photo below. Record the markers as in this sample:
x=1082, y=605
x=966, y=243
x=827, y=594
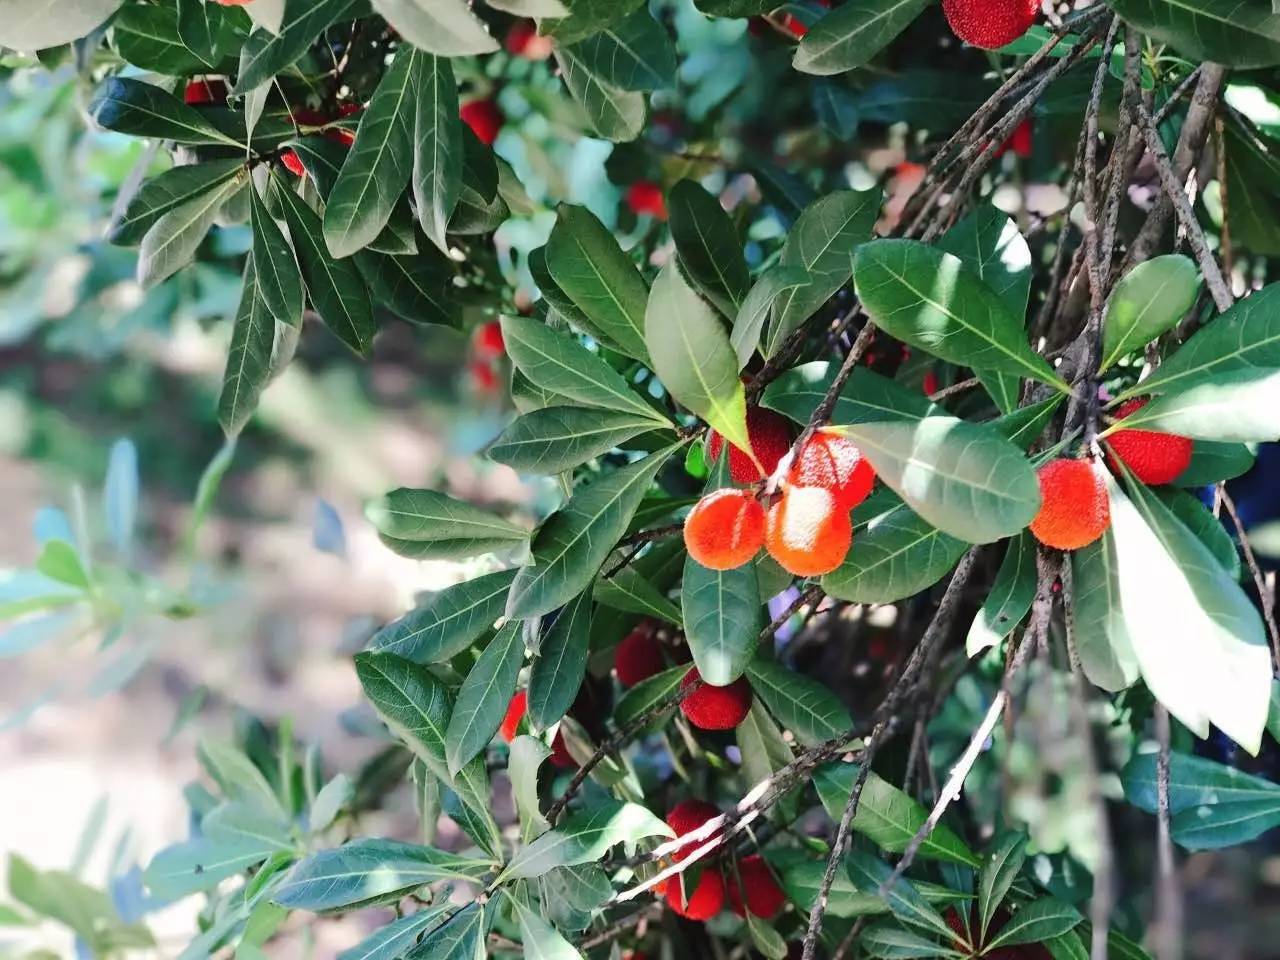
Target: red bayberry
x=343, y=135
x=487, y=340
x=1155, y=458
x=706, y=900
x=764, y=898
x=483, y=376
x=560, y=755
x=484, y=117
x=1019, y=141
x=725, y=529
x=516, y=710
x=836, y=464
x=715, y=708
x=686, y=817
x=205, y=91
x=293, y=164
x=638, y=656
x=645, y=197
x=770, y=437
x=808, y=532
x=523, y=40
x=1074, y=507
x=990, y=23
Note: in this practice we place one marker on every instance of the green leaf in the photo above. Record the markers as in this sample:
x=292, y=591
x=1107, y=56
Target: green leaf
x=557, y=363
x=206, y=29
x=555, y=439
x=1010, y=597
x=237, y=822
x=801, y=704
x=1241, y=34
x=866, y=398
x=822, y=243
x=447, y=28
x=836, y=106
x=198, y=865
x=541, y=941
x=426, y=515
x=1199, y=641
x=1035, y=922
x=437, y=148
x=614, y=114
x=749, y=322
x=1102, y=637
x=849, y=36
x=449, y=622
x=1197, y=518
x=336, y=290
x=647, y=694
x=392, y=941
x=527, y=755
x=333, y=797
x=709, y=247
x=253, y=338
x=887, y=816
x=692, y=357
x=377, y=168
x=461, y=937
x=463, y=549
x=631, y=53
x=1214, y=462
x=906, y=903
x=801, y=873
x=891, y=942
x=237, y=777
x=147, y=37
x=173, y=239
x=531, y=8
x=60, y=561
x=1240, y=405
x=1023, y=426
x=628, y=590
x=1147, y=301
x=571, y=545
x=721, y=611
x=279, y=278
x=587, y=264
x=926, y=298
x=999, y=871
x=31, y=25
x=484, y=697
x=267, y=53
x=141, y=109
x=416, y=288
x=170, y=190
x=898, y=554
x=1246, y=336
x=963, y=478
x=1212, y=805
x=586, y=17
x=583, y=837
x=763, y=747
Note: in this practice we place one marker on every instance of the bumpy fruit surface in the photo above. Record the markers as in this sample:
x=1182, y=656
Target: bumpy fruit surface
x=1074, y=508
x=725, y=529
x=990, y=23
x=293, y=163
x=808, y=532
x=687, y=816
x=638, y=656
x=770, y=436
x=484, y=118
x=560, y=755
x=645, y=197
x=764, y=898
x=1155, y=458
x=716, y=708
x=833, y=463
x=706, y=900
x=516, y=710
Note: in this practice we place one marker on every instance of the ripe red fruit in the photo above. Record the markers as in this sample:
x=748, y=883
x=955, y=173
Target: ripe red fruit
x=770, y=436
x=523, y=41
x=516, y=710
x=560, y=755
x=1155, y=458
x=715, y=708
x=645, y=197
x=706, y=900
x=725, y=529
x=637, y=657
x=990, y=23
x=1074, y=508
x=686, y=817
x=764, y=898
x=293, y=164
x=483, y=377
x=1019, y=141
x=808, y=532
x=836, y=464
x=483, y=117
x=205, y=91
x=341, y=134
x=487, y=340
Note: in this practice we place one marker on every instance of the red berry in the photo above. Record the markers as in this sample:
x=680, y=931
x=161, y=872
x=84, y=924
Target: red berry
x=764, y=898
x=516, y=710
x=725, y=529
x=645, y=197
x=637, y=657
x=293, y=164
x=341, y=134
x=560, y=755
x=686, y=817
x=715, y=708
x=523, y=41
x=990, y=23
x=706, y=900
x=930, y=384
x=1019, y=141
x=808, y=532
x=484, y=117
x=483, y=376
x=306, y=117
x=836, y=464
x=770, y=437
x=1154, y=458
x=1074, y=507
x=487, y=340
x=205, y=91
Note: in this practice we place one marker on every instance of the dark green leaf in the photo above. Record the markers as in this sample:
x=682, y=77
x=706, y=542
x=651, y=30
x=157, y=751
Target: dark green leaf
x=416, y=288
x=896, y=556
x=437, y=147
x=253, y=337
x=904, y=900
x=631, y=53
x=849, y=36
x=1147, y=301
x=1035, y=922
x=866, y=398
x=749, y=322
x=561, y=663
x=556, y=439
x=1197, y=518
x=393, y=940
x=279, y=279
x=168, y=191
x=647, y=694
x=449, y=622
x=148, y=38
x=999, y=871
x=709, y=248
x=171, y=242
x=130, y=106
x=583, y=837
x=267, y=53
x=891, y=942
x=1102, y=638
x=1244, y=33
x=460, y=938
x=628, y=590
x=1010, y=597
x=587, y=17
x=722, y=620
x=801, y=704
x=613, y=114
x=1214, y=462
x=484, y=697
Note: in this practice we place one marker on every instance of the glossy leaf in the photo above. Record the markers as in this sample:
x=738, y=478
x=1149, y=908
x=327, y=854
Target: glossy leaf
x=268, y=53
x=148, y=37
x=427, y=515
x=630, y=53
x=897, y=555
x=614, y=114
x=172, y=241
x=1035, y=922
x=484, y=696
x=628, y=590
x=526, y=756
x=848, y=37
x=253, y=336
x=1241, y=405
x=647, y=694
x=583, y=837
x=1243, y=33
x=866, y=398
x=801, y=704
x=1102, y=638
x=393, y=940
x=281, y=282
x=561, y=663
x=1010, y=597
x=446, y=28
x=891, y=942
x=1147, y=301
x=1214, y=462
x=130, y=106
x=752, y=316
x=449, y=622
x=556, y=439
x=416, y=288
x=437, y=147
x=709, y=248
x=999, y=871
x=460, y=938
x=904, y=900
x=170, y=190
x=722, y=619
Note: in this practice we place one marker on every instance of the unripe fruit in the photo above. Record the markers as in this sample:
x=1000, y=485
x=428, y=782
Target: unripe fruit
x=1154, y=458
x=990, y=23
x=484, y=118
x=808, y=532
x=293, y=164
x=770, y=436
x=764, y=898
x=725, y=529
x=638, y=657
x=706, y=900
x=715, y=708
x=516, y=710
x=1074, y=508
x=645, y=197
x=833, y=463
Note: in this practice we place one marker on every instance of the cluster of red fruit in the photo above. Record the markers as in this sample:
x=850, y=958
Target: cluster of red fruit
x=639, y=656
x=1075, y=510
x=990, y=24
x=510, y=729
x=749, y=885
x=487, y=349
x=807, y=530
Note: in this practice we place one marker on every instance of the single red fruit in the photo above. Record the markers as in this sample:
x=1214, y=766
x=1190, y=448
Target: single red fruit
x=686, y=817
x=1019, y=141
x=930, y=385
x=516, y=710
x=306, y=117
x=836, y=464
x=484, y=117
x=341, y=134
x=725, y=529
x=1074, y=507
x=715, y=708
x=1155, y=458
x=794, y=26
x=483, y=376
x=990, y=23
x=645, y=197
x=637, y=657
x=770, y=437
x=706, y=900
x=764, y=898
x=487, y=340
x=205, y=91
x=808, y=532
x=560, y=755
x=293, y=164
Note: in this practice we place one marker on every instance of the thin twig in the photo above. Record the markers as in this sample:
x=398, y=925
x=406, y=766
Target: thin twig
x=1264, y=595
x=955, y=388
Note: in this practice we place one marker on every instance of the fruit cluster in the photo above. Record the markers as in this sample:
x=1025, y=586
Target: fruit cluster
x=639, y=656
x=807, y=530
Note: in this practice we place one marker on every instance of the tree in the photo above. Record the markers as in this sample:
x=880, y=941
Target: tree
x=713, y=377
